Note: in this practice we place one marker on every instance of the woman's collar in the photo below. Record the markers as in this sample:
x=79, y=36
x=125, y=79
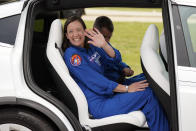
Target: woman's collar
x=79, y=48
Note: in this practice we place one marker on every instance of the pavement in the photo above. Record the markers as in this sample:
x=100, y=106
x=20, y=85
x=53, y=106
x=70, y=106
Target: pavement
x=123, y=16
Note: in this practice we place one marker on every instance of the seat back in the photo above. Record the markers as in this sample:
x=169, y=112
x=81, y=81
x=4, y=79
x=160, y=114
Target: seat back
x=151, y=59
x=153, y=67
x=67, y=88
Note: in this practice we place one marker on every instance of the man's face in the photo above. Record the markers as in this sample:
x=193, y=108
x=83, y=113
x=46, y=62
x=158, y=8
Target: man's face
x=106, y=33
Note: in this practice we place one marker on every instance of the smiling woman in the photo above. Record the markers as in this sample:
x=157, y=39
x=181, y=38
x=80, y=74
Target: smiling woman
x=89, y=63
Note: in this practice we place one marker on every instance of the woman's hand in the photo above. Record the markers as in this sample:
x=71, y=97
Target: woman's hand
x=127, y=71
x=138, y=86
x=96, y=38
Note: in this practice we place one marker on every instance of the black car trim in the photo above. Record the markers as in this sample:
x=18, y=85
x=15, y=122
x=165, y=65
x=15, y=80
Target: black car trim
x=25, y=4
x=7, y=100
x=67, y=4
x=171, y=66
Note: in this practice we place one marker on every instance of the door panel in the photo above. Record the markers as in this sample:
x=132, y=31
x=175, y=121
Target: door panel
x=184, y=41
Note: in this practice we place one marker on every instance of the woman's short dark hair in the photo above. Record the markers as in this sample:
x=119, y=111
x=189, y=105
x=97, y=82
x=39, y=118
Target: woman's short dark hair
x=66, y=42
x=104, y=21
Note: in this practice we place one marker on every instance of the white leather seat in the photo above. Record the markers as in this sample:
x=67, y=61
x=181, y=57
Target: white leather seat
x=163, y=46
x=154, y=68
x=54, y=56
x=163, y=50
x=151, y=59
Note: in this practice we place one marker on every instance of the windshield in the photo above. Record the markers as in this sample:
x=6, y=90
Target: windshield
x=188, y=18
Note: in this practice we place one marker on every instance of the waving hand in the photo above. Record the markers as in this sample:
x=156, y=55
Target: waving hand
x=96, y=38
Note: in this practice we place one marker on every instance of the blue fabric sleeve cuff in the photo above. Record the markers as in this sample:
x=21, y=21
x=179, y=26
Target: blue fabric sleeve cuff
x=123, y=65
x=111, y=87
x=117, y=57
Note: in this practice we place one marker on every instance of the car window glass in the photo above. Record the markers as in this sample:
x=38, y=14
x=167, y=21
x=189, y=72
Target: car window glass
x=39, y=33
x=39, y=25
x=188, y=17
x=8, y=29
x=191, y=21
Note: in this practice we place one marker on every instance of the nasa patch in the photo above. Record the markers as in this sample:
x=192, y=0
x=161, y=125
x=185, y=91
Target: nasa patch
x=95, y=58
x=75, y=60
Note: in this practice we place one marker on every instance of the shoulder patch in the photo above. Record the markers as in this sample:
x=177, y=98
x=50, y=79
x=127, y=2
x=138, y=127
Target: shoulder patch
x=75, y=60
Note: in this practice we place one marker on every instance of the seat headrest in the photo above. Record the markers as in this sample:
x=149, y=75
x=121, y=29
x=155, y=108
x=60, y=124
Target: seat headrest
x=56, y=33
x=150, y=39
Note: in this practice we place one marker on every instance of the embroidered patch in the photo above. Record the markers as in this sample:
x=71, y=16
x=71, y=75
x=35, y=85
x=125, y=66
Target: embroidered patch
x=75, y=60
x=95, y=58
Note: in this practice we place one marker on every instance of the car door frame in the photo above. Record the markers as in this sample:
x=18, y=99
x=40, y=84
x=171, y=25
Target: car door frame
x=185, y=83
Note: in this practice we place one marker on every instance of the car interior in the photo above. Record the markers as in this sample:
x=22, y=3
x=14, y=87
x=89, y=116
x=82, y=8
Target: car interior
x=49, y=72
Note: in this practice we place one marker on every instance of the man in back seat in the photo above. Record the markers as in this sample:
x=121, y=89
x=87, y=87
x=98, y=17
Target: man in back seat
x=115, y=72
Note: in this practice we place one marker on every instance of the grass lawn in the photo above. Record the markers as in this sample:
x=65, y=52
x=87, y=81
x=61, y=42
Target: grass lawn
x=127, y=38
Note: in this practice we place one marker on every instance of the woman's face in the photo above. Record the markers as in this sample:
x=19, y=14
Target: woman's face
x=75, y=33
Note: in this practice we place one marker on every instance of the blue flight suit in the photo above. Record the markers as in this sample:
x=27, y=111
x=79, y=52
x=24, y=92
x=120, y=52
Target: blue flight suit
x=114, y=72
x=87, y=69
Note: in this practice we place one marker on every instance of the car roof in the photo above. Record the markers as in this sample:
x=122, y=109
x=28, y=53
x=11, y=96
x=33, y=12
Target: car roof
x=70, y=4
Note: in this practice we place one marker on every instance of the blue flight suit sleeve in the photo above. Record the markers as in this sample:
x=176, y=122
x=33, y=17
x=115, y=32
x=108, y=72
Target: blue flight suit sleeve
x=122, y=65
x=88, y=76
x=107, y=58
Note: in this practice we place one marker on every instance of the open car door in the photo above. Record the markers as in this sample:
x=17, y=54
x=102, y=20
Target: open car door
x=183, y=25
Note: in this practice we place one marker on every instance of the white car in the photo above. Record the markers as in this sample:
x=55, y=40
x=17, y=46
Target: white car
x=38, y=94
